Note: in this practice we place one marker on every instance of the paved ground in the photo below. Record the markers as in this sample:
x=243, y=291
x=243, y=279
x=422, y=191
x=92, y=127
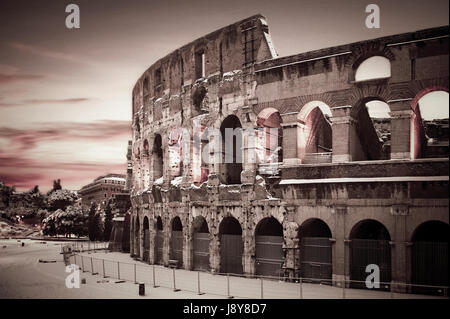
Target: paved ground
x=106, y=264
x=23, y=276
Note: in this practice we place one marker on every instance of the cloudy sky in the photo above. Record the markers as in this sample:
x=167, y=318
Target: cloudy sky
x=65, y=95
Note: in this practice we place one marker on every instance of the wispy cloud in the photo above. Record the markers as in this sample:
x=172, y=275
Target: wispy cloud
x=10, y=78
x=46, y=101
x=48, y=53
x=36, y=156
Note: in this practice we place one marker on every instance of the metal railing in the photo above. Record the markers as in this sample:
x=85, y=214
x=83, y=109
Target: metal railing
x=88, y=246
x=245, y=286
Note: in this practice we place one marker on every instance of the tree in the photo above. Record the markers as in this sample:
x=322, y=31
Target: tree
x=56, y=186
x=68, y=222
x=60, y=199
x=94, y=224
x=108, y=221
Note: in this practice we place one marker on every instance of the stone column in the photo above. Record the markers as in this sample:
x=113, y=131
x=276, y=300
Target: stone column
x=343, y=134
x=291, y=247
x=290, y=143
x=401, y=134
x=340, y=252
x=399, y=263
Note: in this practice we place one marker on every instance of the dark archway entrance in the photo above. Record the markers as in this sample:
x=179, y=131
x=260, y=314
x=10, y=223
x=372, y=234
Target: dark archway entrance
x=429, y=257
x=157, y=158
x=315, y=251
x=146, y=228
x=137, y=237
x=269, y=247
x=201, y=244
x=231, y=130
x=231, y=246
x=176, y=242
x=370, y=245
x=159, y=259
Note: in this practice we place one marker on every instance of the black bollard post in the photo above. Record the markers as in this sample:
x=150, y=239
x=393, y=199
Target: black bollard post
x=141, y=289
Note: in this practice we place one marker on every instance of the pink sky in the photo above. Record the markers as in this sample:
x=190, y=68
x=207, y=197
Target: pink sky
x=65, y=95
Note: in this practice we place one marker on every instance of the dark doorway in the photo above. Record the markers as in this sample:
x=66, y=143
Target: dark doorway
x=176, y=243
x=231, y=130
x=370, y=245
x=201, y=244
x=146, y=256
x=231, y=246
x=429, y=257
x=269, y=247
x=315, y=251
x=159, y=242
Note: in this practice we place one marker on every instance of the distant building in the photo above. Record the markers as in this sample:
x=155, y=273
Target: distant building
x=102, y=189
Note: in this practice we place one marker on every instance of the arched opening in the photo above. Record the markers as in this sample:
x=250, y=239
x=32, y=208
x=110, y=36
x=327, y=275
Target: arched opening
x=371, y=130
x=231, y=130
x=370, y=245
x=146, y=89
x=175, y=152
x=231, y=246
x=429, y=124
x=157, y=159
x=314, y=134
x=137, y=237
x=379, y=114
x=146, y=164
x=132, y=237
x=146, y=228
x=429, y=257
x=270, y=137
x=269, y=247
x=375, y=67
x=176, y=241
x=201, y=244
x=200, y=168
x=159, y=241
x=315, y=251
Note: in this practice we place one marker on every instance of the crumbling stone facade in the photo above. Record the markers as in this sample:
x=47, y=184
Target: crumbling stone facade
x=333, y=182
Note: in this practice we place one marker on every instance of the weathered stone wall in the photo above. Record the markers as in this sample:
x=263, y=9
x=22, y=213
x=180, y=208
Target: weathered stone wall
x=401, y=192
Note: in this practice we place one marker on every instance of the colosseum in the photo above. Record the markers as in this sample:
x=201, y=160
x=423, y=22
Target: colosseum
x=324, y=189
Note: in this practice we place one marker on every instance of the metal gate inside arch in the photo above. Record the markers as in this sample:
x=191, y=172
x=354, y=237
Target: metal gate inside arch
x=429, y=257
x=231, y=246
x=315, y=251
x=269, y=248
x=176, y=244
x=370, y=245
x=159, y=241
x=201, y=244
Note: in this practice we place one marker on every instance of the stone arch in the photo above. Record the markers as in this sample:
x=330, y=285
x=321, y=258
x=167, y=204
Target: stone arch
x=378, y=66
x=429, y=256
x=158, y=157
x=231, y=246
x=176, y=240
x=137, y=235
x=231, y=167
x=314, y=227
x=316, y=260
x=369, y=144
x=418, y=142
x=314, y=133
x=269, y=136
x=201, y=238
x=159, y=241
x=370, y=244
x=363, y=52
x=146, y=237
x=269, y=253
